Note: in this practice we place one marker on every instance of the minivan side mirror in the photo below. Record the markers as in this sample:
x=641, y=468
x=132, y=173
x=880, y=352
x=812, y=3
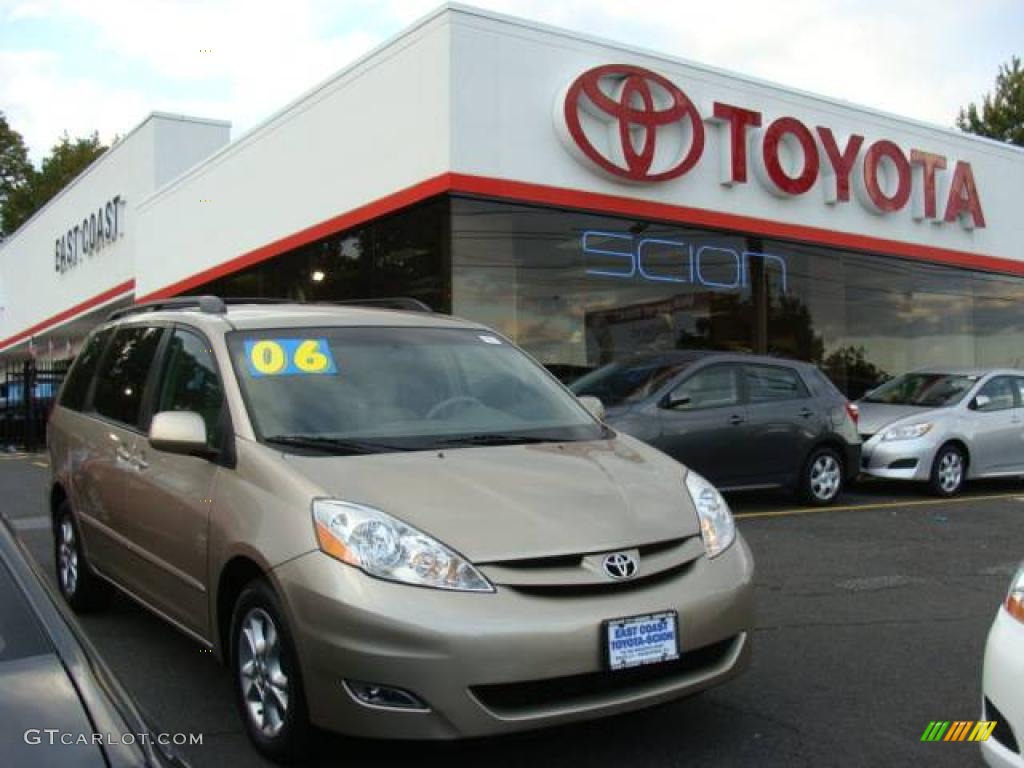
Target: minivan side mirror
x=179, y=432
x=981, y=402
x=673, y=400
x=593, y=405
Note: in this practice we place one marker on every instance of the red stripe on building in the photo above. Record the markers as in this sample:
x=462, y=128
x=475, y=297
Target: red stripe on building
x=102, y=298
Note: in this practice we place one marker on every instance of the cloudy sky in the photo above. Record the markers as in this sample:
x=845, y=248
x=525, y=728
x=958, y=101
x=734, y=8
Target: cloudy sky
x=68, y=65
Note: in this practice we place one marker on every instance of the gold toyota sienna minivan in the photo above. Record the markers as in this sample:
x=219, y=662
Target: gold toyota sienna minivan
x=387, y=522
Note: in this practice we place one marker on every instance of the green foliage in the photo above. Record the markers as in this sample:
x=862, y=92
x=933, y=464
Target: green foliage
x=66, y=160
x=15, y=169
x=1001, y=115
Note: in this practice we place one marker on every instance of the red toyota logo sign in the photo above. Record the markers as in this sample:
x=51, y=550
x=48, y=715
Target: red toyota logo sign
x=637, y=126
x=632, y=123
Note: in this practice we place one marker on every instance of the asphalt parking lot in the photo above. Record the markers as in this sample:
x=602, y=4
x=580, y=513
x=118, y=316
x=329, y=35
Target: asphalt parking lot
x=872, y=619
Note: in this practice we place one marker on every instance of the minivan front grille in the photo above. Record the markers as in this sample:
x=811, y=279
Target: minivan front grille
x=562, y=561
x=600, y=587
x=580, y=690
x=581, y=574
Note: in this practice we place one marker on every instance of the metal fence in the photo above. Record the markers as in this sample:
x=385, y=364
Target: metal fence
x=27, y=392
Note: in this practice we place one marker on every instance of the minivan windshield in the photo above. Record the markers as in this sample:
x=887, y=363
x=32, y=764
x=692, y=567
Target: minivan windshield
x=370, y=389
x=928, y=390
x=628, y=381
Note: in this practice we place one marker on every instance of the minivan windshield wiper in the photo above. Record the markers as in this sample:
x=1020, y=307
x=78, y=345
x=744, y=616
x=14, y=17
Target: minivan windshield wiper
x=334, y=445
x=496, y=439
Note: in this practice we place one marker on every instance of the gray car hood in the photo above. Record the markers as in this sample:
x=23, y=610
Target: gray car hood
x=521, y=501
x=874, y=417
x=37, y=694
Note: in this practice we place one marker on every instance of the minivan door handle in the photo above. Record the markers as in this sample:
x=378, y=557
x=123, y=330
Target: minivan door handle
x=806, y=412
x=139, y=460
x=736, y=419
x=122, y=455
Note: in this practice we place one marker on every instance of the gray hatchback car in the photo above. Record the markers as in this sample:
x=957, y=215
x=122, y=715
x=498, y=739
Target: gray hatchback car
x=742, y=421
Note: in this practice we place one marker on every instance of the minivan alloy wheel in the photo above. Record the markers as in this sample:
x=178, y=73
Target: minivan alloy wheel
x=826, y=477
x=265, y=687
x=67, y=557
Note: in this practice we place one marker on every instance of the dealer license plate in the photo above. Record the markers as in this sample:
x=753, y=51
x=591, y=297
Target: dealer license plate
x=638, y=640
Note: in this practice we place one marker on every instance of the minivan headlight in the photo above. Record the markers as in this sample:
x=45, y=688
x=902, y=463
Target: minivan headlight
x=717, y=527
x=387, y=548
x=908, y=431
x=1015, y=596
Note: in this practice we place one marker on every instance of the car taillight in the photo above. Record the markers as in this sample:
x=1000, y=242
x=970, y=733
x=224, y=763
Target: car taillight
x=854, y=411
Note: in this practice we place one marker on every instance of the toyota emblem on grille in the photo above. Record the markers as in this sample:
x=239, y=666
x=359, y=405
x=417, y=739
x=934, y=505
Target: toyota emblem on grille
x=620, y=565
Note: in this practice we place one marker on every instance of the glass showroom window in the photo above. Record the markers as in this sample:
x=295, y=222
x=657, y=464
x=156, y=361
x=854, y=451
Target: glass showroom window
x=579, y=290
x=405, y=254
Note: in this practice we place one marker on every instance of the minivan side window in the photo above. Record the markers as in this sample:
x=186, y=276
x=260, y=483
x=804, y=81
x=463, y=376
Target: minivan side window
x=716, y=386
x=771, y=383
x=76, y=385
x=1000, y=394
x=191, y=382
x=122, y=376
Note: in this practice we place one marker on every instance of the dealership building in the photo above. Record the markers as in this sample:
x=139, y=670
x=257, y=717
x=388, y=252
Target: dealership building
x=587, y=199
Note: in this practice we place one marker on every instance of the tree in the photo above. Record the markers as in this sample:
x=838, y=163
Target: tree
x=66, y=160
x=1001, y=115
x=850, y=368
x=15, y=169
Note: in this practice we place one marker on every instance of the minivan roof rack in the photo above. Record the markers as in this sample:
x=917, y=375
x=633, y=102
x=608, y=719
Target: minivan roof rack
x=211, y=305
x=214, y=305
x=398, y=302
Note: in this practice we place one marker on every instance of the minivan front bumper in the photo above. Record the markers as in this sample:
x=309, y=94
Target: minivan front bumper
x=505, y=661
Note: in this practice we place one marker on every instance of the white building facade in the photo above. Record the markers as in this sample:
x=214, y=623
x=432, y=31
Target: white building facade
x=588, y=199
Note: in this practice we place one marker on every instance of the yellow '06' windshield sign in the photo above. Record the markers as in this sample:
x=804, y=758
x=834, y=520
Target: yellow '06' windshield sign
x=289, y=357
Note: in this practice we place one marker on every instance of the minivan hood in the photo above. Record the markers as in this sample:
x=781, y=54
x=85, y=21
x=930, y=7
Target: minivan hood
x=520, y=501
x=874, y=417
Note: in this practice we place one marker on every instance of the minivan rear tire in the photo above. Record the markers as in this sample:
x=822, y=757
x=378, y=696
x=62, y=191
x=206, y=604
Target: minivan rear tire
x=822, y=477
x=80, y=587
x=260, y=675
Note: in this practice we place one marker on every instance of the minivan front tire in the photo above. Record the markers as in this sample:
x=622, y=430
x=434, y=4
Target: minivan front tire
x=821, y=481
x=268, y=684
x=82, y=589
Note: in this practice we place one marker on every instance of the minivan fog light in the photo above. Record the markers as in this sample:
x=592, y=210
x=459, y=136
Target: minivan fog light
x=374, y=695
x=717, y=527
x=387, y=548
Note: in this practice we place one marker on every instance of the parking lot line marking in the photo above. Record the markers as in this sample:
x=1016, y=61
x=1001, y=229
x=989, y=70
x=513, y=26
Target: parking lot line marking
x=880, y=505
x=42, y=464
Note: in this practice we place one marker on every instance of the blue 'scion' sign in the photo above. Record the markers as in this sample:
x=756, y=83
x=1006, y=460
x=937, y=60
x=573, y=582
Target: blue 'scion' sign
x=626, y=256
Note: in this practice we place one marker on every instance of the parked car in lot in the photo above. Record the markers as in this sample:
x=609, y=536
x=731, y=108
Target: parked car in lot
x=388, y=523
x=1002, y=683
x=944, y=426
x=742, y=421
x=55, y=691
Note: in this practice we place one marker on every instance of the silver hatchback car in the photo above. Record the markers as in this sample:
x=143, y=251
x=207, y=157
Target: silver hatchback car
x=943, y=427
